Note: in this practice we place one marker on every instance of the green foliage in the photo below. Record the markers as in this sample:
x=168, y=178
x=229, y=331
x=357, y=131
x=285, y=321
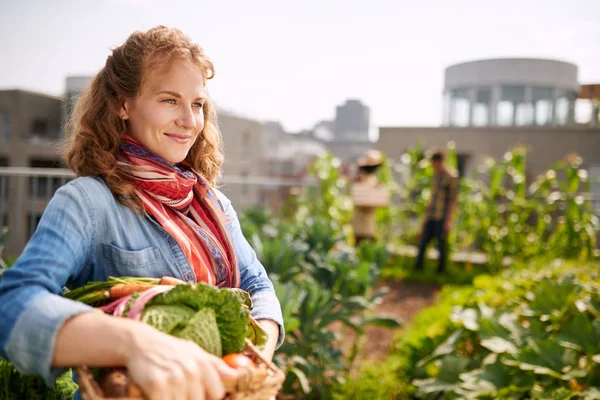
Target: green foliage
x=373, y=380
x=533, y=333
x=499, y=214
x=329, y=200
x=14, y=386
x=321, y=283
x=402, y=267
x=3, y=263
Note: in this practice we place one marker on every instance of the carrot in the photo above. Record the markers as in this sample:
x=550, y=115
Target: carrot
x=170, y=281
x=124, y=289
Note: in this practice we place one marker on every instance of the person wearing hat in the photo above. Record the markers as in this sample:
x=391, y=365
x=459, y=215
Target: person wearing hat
x=367, y=194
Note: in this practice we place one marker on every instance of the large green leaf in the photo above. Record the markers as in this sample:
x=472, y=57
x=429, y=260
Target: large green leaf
x=302, y=379
x=484, y=381
x=467, y=317
x=552, y=298
x=581, y=334
x=447, y=379
x=496, y=337
x=545, y=357
x=446, y=347
x=383, y=322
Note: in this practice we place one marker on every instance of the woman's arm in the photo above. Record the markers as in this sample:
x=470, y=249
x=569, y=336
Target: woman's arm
x=162, y=365
x=32, y=308
x=273, y=331
x=254, y=279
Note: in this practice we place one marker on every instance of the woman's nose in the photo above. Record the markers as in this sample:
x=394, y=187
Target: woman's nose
x=187, y=120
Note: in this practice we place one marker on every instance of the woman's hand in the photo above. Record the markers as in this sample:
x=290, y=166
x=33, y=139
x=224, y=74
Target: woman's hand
x=166, y=367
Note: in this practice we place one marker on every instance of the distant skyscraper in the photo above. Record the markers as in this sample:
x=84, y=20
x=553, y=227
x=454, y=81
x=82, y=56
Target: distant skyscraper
x=352, y=121
x=75, y=85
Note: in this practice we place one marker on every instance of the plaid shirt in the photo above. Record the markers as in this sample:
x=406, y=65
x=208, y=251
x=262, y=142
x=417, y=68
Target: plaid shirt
x=443, y=193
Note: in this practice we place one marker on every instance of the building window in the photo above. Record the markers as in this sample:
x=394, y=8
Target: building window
x=561, y=108
x=481, y=108
x=4, y=126
x=43, y=187
x=542, y=105
x=461, y=164
x=511, y=109
x=459, y=107
x=446, y=108
x=594, y=176
x=524, y=115
x=39, y=126
x=32, y=222
x=505, y=112
x=245, y=145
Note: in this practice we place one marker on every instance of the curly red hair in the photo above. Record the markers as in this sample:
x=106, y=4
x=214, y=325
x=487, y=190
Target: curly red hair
x=93, y=133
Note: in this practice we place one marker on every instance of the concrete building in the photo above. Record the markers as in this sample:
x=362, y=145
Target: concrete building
x=492, y=106
x=545, y=145
x=510, y=92
x=31, y=128
x=352, y=121
x=243, y=150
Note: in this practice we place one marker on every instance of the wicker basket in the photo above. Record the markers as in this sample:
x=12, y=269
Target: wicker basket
x=261, y=383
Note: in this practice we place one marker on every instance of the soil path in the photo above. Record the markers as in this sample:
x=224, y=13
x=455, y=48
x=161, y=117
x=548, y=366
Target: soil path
x=403, y=300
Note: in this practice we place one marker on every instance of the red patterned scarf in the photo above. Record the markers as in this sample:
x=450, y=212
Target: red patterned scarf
x=181, y=201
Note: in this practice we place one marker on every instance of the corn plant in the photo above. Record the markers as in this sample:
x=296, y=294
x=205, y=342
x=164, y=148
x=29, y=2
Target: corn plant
x=329, y=199
x=500, y=215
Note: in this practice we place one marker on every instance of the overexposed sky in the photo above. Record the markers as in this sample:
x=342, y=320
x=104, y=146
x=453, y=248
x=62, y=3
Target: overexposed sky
x=294, y=61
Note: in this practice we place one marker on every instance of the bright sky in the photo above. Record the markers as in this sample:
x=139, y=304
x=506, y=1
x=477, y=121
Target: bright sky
x=294, y=61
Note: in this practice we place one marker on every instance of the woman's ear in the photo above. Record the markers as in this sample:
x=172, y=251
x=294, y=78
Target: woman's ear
x=123, y=112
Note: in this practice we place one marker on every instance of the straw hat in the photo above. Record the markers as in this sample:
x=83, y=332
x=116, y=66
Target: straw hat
x=370, y=159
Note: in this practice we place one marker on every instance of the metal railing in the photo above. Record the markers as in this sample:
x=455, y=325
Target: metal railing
x=25, y=192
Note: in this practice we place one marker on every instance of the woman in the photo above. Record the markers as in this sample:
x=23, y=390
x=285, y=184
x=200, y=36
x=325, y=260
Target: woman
x=145, y=147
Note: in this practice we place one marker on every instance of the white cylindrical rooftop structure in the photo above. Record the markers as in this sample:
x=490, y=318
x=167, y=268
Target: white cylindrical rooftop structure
x=510, y=91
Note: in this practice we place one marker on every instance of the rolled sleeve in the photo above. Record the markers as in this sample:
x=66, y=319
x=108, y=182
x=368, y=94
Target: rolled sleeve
x=32, y=308
x=31, y=343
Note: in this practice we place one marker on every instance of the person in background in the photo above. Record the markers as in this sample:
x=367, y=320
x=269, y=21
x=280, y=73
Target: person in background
x=440, y=211
x=363, y=218
x=146, y=149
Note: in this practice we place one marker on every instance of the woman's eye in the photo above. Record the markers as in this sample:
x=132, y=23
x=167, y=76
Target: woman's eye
x=170, y=101
x=198, y=105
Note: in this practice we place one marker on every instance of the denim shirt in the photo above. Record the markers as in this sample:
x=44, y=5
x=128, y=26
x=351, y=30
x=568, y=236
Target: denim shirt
x=85, y=235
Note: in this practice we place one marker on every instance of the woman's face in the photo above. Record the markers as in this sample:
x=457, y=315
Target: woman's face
x=168, y=114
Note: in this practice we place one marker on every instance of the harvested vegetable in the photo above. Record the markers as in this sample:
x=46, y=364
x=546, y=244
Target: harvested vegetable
x=115, y=382
x=218, y=320
x=237, y=360
x=232, y=318
x=97, y=293
x=169, y=280
x=126, y=289
x=203, y=330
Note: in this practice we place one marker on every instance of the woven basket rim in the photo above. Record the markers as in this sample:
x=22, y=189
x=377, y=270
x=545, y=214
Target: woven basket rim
x=90, y=390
